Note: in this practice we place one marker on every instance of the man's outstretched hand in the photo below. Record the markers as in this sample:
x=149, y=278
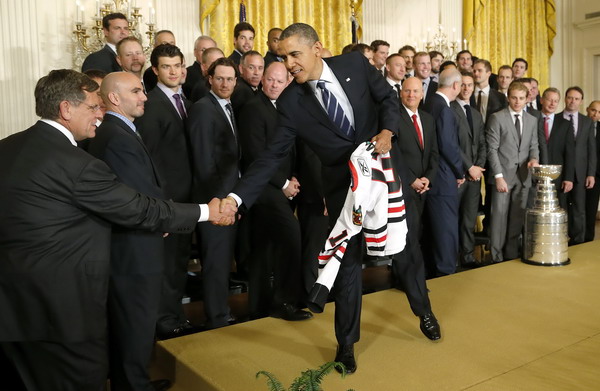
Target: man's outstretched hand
x=222, y=212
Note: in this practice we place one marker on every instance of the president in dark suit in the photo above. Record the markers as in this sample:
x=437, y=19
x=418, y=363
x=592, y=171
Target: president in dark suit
x=275, y=232
x=350, y=86
x=115, y=27
x=556, y=143
x=162, y=128
x=216, y=169
x=585, y=162
x=472, y=148
x=441, y=240
x=136, y=257
x=53, y=327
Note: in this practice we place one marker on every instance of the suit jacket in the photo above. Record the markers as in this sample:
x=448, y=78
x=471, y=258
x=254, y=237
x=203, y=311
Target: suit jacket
x=269, y=58
x=450, y=162
x=104, y=60
x=215, y=150
x=472, y=142
x=150, y=80
x=505, y=154
x=193, y=77
x=496, y=102
x=375, y=107
x=597, y=127
x=258, y=127
x=235, y=56
x=165, y=137
x=132, y=251
x=58, y=203
x=242, y=93
x=433, y=86
x=560, y=148
x=585, y=148
x=420, y=162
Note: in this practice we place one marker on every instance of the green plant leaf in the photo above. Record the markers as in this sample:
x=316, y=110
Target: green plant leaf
x=272, y=382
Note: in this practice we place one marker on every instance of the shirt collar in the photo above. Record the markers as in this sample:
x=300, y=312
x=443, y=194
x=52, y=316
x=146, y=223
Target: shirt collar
x=168, y=92
x=393, y=82
x=124, y=119
x=513, y=113
x=410, y=112
x=444, y=96
x=326, y=75
x=60, y=127
x=551, y=115
x=112, y=46
x=221, y=101
x=462, y=103
x=486, y=89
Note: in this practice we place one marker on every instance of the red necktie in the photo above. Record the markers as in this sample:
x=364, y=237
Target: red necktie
x=546, y=130
x=419, y=136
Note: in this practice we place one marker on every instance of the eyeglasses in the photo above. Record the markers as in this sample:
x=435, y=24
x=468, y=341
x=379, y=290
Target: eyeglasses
x=93, y=108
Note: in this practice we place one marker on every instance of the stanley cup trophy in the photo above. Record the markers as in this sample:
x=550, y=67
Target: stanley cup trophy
x=546, y=237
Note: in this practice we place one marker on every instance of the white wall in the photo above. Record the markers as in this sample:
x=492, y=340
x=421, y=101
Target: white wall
x=402, y=22
x=37, y=37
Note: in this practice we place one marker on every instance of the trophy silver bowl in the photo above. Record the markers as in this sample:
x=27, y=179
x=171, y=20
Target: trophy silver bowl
x=546, y=240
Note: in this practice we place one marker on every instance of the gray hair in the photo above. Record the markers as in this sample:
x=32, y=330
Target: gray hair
x=58, y=86
x=450, y=76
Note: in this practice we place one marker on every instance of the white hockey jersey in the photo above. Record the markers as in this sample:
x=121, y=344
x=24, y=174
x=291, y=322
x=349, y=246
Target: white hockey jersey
x=374, y=204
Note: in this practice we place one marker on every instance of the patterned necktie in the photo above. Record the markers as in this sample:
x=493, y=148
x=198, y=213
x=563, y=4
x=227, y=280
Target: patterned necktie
x=231, y=117
x=418, y=130
x=573, y=124
x=469, y=116
x=546, y=128
x=335, y=111
x=179, y=105
x=518, y=126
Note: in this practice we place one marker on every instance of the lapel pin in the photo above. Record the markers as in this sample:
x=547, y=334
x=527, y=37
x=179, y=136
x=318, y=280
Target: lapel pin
x=348, y=79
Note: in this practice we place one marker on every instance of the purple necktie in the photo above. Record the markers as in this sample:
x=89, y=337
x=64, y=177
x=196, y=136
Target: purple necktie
x=179, y=105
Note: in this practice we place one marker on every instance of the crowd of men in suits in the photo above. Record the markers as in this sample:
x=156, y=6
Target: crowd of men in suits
x=256, y=132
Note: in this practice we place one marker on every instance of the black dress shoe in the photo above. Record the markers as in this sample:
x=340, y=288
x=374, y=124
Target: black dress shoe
x=161, y=384
x=345, y=355
x=290, y=312
x=180, y=330
x=430, y=327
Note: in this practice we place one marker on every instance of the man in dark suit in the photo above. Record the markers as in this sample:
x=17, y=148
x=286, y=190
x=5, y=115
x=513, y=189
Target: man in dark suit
x=275, y=237
x=243, y=41
x=115, y=27
x=485, y=99
x=251, y=69
x=417, y=143
x=163, y=130
x=216, y=169
x=556, y=143
x=593, y=194
x=512, y=145
x=350, y=86
x=441, y=240
x=201, y=89
x=160, y=37
x=194, y=74
x=53, y=327
x=585, y=162
x=136, y=258
x=131, y=57
x=273, y=46
x=471, y=137
x=422, y=64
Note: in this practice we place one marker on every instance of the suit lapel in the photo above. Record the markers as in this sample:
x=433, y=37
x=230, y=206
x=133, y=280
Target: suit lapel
x=512, y=127
x=309, y=101
x=167, y=102
x=411, y=126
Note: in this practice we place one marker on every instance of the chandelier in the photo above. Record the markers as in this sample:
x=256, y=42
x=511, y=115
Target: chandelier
x=85, y=43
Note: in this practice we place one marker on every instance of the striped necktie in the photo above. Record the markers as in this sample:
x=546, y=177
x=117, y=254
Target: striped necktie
x=335, y=111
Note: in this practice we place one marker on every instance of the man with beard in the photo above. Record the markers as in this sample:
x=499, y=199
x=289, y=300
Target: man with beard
x=131, y=57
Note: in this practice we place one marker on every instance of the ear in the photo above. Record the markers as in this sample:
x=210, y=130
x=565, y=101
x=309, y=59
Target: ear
x=64, y=110
x=317, y=47
x=113, y=98
x=119, y=61
x=240, y=67
x=155, y=70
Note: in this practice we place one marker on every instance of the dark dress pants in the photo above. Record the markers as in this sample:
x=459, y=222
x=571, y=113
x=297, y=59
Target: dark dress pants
x=591, y=210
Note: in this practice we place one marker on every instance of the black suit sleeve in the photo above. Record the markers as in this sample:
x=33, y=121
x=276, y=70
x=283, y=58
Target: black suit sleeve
x=569, y=166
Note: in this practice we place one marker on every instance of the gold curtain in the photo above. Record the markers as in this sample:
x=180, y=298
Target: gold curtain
x=331, y=19
x=501, y=30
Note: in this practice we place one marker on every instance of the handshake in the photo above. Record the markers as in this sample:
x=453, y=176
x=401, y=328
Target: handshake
x=222, y=212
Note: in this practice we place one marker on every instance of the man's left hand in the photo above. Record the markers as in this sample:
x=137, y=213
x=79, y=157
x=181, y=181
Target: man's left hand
x=383, y=141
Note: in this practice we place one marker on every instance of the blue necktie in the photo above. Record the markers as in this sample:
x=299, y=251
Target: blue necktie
x=335, y=111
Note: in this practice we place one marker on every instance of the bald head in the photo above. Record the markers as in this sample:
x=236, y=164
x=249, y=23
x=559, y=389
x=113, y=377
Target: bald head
x=412, y=93
x=122, y=93
x=274, y=80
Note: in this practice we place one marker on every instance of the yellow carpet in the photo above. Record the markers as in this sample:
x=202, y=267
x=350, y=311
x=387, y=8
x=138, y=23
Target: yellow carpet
x=509, y=326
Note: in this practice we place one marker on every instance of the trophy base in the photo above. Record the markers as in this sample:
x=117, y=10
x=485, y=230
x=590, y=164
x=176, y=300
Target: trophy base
x=540, y=263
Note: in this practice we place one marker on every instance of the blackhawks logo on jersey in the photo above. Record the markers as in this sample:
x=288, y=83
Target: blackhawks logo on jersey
x=357, y=216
